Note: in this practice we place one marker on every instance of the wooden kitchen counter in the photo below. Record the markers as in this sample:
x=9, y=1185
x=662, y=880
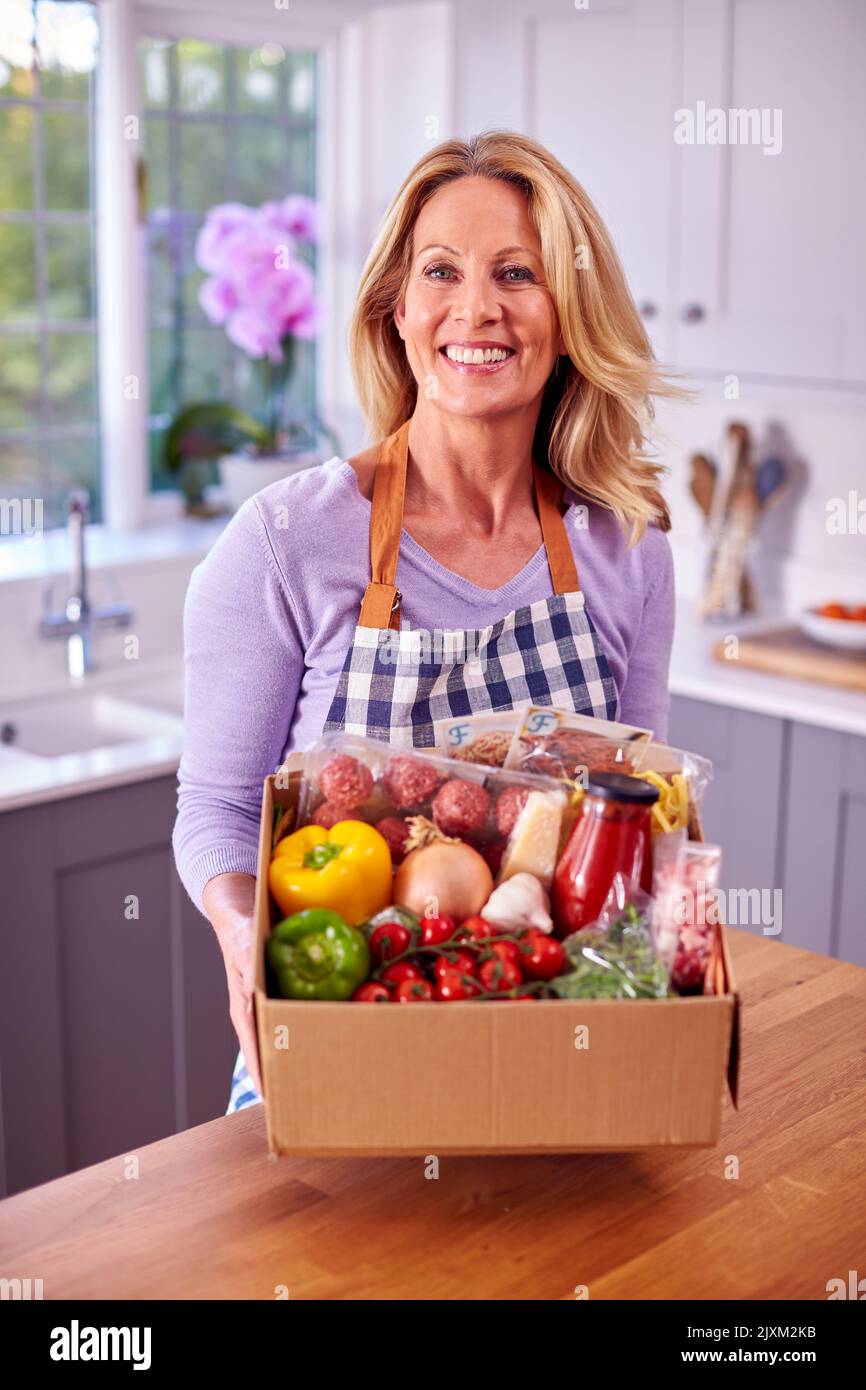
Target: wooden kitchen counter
x=211, y=1215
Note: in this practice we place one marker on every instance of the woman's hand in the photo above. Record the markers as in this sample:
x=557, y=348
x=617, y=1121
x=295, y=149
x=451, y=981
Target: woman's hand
x=229, y=900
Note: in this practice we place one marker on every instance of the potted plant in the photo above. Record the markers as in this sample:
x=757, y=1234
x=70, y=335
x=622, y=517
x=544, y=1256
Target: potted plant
x=263, y=292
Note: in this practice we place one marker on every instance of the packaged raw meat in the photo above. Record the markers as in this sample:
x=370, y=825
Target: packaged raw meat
x=511, y=817
x=568, y=746
x=686, y=910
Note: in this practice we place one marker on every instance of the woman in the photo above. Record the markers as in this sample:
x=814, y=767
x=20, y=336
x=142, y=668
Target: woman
x=501, y=362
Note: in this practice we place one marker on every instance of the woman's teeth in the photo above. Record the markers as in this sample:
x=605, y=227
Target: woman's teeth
x=477, y=356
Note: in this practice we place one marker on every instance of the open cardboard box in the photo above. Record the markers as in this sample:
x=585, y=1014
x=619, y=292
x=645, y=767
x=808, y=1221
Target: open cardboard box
x=563, y=1076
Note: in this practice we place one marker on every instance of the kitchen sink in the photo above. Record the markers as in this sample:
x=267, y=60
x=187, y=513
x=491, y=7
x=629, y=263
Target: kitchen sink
x=79, y=722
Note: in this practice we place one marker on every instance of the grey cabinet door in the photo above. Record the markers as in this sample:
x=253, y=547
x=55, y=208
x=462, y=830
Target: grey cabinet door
x=742, y=804
x=114, y=1027
x=825, y=843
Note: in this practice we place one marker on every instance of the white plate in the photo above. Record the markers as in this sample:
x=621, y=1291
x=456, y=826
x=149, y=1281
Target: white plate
x=841, y=633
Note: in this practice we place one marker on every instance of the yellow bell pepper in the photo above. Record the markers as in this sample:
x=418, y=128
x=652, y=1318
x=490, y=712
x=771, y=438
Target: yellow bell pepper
x=346, y=869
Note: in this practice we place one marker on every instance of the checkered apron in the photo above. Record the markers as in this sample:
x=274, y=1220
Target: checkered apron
x=396, y=683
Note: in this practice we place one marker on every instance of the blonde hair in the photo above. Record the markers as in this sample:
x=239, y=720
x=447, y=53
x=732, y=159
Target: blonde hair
x=598, y=401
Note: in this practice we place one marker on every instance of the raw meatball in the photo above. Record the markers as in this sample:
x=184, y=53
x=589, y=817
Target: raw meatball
x=509, y=804
x=394, y=831
x=328, y=814
x=409, y=781
x=460, y=808
x=345, y=781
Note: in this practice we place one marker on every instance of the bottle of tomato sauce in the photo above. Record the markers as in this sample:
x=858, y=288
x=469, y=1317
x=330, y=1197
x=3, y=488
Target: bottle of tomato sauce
x=611, y=835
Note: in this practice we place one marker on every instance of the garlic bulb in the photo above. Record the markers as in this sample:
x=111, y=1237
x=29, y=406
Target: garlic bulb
x=520, y=902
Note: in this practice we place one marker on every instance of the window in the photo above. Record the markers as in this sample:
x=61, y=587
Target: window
x=222, y=123
x=49, y=438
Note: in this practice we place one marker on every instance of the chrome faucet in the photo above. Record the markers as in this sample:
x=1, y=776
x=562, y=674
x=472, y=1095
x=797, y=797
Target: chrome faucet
x=79, y=620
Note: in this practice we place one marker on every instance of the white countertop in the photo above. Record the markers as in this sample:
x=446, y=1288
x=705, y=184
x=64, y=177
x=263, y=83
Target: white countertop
x=695, y=673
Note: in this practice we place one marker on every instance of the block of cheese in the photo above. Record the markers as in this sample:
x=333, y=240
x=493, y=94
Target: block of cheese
x=533, y=842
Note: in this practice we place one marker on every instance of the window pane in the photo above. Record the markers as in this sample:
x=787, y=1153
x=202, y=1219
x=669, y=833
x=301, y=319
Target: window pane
x=154, y=72
x=19, y=471
x=66, y=42
x=68, y=271
x=261, y=159
x=162, y=369
x=159, y=164
x=16, y=49
x=208, y=364
x=259, y=77
x=19, y=381
x=71, y=378
x=200, y=75
x=191, y=277
x=202, y=167
x=302, y=174
x=16, y=165
x=66, y=140
x=70, y=463
x=18, y=280
x=161, y=263
x=301, y=83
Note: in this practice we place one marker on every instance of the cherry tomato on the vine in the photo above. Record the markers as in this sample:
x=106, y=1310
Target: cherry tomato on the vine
x=452, y=987
x=413, y=992
x=372, y=993
x=498, y=975
x=388, y=940
x=436, y=929
x=401, y=971
x=542, y=957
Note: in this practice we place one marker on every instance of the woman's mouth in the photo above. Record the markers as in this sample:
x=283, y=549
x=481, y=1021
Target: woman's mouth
x=477, y=358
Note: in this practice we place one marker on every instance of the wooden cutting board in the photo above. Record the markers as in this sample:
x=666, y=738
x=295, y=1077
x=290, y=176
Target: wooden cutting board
x=789, y=652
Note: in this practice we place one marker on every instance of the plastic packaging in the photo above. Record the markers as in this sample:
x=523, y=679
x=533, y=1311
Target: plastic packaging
x=346, y=776
x=682, y=779
x=615, y=957
x=558, y=743
x=479, y=738
x=685, y=914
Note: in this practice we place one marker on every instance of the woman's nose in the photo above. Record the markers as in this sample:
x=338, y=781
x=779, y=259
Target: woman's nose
x=476, y=301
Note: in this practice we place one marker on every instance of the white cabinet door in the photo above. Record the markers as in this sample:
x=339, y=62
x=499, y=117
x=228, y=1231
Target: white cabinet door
x=601, y=95
x=769, y=279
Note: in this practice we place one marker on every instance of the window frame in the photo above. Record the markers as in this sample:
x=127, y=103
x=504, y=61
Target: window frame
x=121, y=238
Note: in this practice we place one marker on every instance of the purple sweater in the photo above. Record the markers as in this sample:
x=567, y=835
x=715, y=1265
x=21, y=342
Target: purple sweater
x=271, y=610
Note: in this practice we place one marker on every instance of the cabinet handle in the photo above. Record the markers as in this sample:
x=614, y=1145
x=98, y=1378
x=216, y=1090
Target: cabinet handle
x=647, y=309
x=693, y=313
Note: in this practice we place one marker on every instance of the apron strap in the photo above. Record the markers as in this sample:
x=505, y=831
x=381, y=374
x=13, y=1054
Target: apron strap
x=381, y=603
x=560, y=557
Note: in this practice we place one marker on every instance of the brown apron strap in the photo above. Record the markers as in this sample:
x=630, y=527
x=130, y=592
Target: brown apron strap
x=560, y=557
x=381, y=603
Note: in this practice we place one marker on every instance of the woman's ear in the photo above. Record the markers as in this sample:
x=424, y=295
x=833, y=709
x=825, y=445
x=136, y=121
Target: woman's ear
x=399, y=319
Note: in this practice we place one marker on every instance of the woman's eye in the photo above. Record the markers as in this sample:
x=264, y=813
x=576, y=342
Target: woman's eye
x=517, y=274
x=437, y=272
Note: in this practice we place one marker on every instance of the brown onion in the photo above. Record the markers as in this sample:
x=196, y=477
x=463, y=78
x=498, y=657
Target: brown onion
x=444, y=877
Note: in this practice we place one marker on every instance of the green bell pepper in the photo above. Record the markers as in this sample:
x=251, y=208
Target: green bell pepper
x=315, y=954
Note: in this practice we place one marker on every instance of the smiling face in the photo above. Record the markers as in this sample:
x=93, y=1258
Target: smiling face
x=477, y=317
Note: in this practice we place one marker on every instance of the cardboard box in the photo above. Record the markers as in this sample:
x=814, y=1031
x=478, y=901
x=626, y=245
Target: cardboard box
x=561, y=1076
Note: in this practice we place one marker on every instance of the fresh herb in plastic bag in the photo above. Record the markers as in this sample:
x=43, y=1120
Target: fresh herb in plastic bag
x=615, y=959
